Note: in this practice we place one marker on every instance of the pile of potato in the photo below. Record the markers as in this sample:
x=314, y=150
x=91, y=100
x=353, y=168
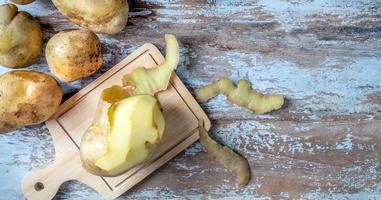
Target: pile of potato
x=29, y=97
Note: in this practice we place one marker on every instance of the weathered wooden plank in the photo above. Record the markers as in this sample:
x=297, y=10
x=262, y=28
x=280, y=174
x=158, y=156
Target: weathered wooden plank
x=323, y=55
x=339, y=73
x=288, y=159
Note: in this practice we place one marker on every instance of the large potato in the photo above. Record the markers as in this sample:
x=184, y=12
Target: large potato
x=26, y=98
x=22, y=2
x=122, y=135
x=128, y=125
x=74, y=54
x=20, y=37
x=103, y=16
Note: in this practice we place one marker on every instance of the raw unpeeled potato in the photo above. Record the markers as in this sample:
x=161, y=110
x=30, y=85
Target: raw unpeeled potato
x=26, y=98
x=74, y=54
x=103, y=16
x=20, y=37
x=22, y=2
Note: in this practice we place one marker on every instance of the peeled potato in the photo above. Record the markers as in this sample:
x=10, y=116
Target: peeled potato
x=103, y=16
x=122, y=135
x=27, y=97
x=22, y=2
x=20, y=37
x=128, y=124
x=74, y=54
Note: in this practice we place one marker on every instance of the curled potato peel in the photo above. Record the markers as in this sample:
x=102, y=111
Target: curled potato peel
x=241, y=95
x=225, y=156
x=152, y=80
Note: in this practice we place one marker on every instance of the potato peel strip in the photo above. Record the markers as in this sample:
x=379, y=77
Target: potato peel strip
x=225, y=156
x=152, y=80
x=241, y=95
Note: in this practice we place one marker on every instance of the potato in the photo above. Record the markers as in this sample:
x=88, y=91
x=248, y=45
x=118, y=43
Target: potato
x=103, y=16
x=128, y=125
x=22, y=2
x=27, y=98
x=74, y=54
x=20, y=37
x=122, y=135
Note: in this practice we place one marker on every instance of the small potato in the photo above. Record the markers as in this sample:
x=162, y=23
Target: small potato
x=20, y=37
x=74, y=54
x=26, y=98
x=22, y=2
x=102, y=16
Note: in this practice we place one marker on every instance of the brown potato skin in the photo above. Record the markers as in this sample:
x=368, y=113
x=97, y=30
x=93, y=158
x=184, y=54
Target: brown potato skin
x=20, y=37
x=27, y=97
x=101, y=16
x=22, y=2
x=74, y=54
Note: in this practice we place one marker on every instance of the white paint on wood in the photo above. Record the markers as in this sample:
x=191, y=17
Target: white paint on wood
x=323, y=55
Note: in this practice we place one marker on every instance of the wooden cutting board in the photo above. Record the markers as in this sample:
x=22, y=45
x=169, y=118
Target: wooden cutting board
x=181, y=113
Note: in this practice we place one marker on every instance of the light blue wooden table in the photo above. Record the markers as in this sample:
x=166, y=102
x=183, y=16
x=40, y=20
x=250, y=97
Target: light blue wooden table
x=323, y=55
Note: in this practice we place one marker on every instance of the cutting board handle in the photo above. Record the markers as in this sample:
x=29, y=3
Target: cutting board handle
x=44, y=183
x=37, y=184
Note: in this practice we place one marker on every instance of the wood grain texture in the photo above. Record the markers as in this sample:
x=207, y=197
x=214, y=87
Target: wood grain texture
x=324, y=56
x=181, y=112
